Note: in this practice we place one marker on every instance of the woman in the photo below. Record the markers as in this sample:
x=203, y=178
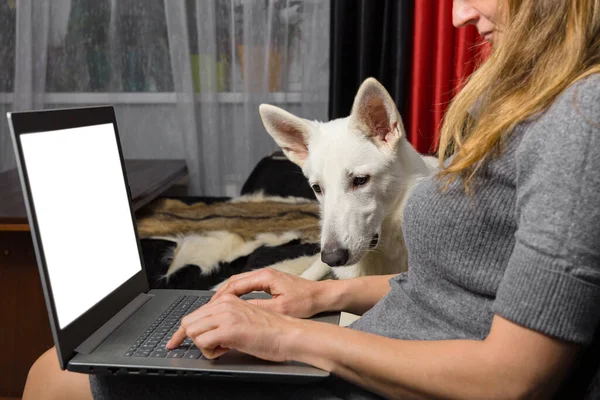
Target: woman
x=504, y=251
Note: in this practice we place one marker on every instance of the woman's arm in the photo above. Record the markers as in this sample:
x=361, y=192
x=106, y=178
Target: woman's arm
x=302, y=298
x=357, y=295
x=511, y=363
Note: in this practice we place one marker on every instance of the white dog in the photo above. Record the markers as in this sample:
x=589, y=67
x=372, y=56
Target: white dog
x=361, y=168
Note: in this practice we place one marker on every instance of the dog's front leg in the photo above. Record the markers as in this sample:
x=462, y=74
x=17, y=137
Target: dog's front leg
x=317, y=271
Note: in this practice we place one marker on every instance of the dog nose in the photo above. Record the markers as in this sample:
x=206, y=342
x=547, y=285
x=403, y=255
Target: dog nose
x=335, y=257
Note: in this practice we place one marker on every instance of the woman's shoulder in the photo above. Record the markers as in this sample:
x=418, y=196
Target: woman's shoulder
x=568, y=128
x=580, y=101
x=590, y=83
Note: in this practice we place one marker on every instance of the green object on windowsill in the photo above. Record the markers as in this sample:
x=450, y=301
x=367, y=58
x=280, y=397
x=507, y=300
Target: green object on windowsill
x=208, y=74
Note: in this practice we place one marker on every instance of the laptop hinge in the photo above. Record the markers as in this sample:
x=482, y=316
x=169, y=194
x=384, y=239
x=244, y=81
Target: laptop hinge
x=109, y=327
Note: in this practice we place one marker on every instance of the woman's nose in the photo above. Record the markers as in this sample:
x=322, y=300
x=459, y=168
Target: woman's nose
x=463, y=13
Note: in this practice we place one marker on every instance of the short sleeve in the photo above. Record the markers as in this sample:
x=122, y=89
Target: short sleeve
x=552, y=281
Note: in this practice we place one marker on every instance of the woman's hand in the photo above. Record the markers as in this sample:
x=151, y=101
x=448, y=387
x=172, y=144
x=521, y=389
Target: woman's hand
x=231, y=323
x=292, y=295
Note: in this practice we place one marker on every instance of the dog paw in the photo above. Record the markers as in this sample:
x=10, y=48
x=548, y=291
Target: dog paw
x=317, y=271
x=349, y=272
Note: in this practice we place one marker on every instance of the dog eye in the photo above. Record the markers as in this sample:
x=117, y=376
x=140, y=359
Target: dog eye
x=360, y=180
x=316, y=188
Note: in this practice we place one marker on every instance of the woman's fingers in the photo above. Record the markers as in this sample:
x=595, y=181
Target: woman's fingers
x=178, y=337
x=202, y=326
x=231, y=323
x=193, y=324
x=211, y=354
x=210, y=344
x=243, y=275
x=242, y=284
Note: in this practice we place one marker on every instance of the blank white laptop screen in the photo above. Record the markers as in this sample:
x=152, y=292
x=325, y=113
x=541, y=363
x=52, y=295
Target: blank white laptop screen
x=83, y=215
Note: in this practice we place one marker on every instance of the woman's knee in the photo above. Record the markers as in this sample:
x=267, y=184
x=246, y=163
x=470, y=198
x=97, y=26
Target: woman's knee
x=47, y=381
x=46, y=364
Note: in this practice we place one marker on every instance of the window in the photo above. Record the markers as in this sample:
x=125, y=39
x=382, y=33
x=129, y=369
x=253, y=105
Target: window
x=250, y=37
x=108, y=46
x=117, y=51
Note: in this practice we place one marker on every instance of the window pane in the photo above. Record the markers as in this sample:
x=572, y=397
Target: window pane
x=204, y=57
x=7, y=44
x=230, y=38
x=108, y=46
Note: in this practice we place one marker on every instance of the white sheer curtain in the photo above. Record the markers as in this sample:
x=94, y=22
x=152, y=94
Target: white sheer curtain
x=186, y=76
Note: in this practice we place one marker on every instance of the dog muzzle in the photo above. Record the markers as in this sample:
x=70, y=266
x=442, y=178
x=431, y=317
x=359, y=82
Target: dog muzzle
x=374, y=241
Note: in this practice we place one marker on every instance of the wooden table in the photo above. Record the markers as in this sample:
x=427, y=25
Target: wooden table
x=24, y=328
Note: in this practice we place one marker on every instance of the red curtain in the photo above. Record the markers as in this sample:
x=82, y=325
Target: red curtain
x=442, y=57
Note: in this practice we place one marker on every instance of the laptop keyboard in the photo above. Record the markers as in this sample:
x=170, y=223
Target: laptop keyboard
x=152, y=343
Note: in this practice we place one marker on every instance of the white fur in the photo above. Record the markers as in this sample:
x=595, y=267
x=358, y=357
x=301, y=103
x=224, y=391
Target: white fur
x=260, y=197
x=370, y=142
x=209, y=249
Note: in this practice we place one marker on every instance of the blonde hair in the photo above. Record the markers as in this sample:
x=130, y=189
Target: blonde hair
x=545, y=47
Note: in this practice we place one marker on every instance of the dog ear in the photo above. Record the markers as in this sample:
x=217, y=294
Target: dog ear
x=375, y=114
x=291, y=133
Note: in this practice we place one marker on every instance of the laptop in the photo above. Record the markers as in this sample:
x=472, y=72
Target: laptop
x=103, y=317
